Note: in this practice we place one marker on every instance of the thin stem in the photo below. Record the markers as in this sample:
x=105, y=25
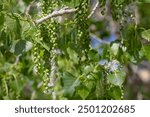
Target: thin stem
x=29, y=7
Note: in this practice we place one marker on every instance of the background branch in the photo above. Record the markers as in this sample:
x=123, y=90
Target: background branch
x=29, y=7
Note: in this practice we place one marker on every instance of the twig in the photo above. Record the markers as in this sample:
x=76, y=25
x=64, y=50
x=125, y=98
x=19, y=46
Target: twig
x=94, y=9
x=29, y=7
x=55, y=14
x=17, y=60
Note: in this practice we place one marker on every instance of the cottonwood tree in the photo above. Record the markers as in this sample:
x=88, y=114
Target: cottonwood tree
x=68, y=49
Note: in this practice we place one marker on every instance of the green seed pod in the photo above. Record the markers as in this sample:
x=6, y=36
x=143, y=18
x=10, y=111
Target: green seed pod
x=82, y=40
x=48, y=36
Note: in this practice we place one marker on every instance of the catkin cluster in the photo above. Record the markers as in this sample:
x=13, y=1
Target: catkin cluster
x=82, y=39
x=122, y=11
x=45, y=60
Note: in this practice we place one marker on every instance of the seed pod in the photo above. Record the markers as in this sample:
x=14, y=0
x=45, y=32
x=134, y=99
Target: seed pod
x=82, y=40
x=48, y=36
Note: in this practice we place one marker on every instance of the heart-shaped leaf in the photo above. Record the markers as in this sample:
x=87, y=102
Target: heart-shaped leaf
x=117, y=78
x=20, y=46
x=83, y=92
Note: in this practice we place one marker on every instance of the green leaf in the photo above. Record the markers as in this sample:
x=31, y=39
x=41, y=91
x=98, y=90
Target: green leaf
x=93, y=55
x=14, y=27
x=28, y=30
x=146, y=51
x=90, y=84
x=99, y=89
x=117, y=78
x=69, y=83
x=121, y=1
x=20, y=46
x=71, y=3
x=146, y=34
x=115, y=93
x=83, y=91
x=2, y=18
x=18, y=28
x=115, y=48
x=72, y=55
x=132, y=40
x=144, y=1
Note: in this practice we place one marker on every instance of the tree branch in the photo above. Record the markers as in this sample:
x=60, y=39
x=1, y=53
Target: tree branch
x=62, y=12
x=94, y=9
x=55, y=14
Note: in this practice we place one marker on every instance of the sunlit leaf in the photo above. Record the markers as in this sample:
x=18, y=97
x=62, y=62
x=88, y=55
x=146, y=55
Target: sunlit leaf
x=115, y=48
x=146, y=34
x=117, y=78
x=146, y=51
x=83, y=92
